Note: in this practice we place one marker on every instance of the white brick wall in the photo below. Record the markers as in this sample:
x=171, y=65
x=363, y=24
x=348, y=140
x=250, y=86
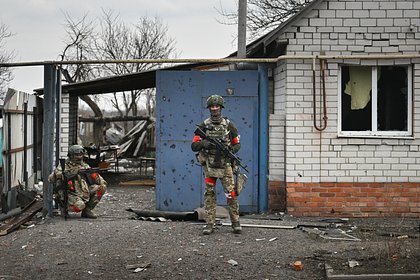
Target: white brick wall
x=348, y=27
x=64, y=125
x=68, y=126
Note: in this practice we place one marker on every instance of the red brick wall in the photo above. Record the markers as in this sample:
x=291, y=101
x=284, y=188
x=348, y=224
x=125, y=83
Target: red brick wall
x=350, y=199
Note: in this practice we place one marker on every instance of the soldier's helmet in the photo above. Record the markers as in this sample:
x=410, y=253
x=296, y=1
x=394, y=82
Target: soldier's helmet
x=76, y=150
x=215, y=100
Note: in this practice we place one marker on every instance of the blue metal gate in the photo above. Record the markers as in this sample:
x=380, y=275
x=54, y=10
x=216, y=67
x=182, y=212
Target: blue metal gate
x=181, y=104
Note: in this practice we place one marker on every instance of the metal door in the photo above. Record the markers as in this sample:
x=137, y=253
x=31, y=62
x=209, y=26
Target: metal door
x=181, y=104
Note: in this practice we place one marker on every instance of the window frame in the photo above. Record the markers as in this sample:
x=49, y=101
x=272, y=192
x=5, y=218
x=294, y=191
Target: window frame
x=375, y=133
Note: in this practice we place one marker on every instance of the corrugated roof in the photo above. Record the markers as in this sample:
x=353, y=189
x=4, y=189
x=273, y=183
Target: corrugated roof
x=131, y=81
x=261, y=46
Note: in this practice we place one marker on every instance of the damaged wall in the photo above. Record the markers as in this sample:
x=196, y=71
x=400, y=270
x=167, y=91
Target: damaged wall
x=19, y=135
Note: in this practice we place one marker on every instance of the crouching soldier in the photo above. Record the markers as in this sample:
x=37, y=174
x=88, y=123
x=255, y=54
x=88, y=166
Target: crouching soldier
x=84, y=187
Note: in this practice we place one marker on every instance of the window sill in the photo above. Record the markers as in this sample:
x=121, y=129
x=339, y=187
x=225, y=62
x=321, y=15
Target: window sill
x=374, y=136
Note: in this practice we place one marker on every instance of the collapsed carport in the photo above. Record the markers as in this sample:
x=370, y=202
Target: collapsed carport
x=61, y=101
x=56, y=98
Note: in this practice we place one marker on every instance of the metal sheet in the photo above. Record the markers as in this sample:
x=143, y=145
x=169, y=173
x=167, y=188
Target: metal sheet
x=16, y=135
x=180, y=102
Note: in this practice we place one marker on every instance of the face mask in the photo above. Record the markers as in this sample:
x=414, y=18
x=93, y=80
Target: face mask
x=77, y=158
x=216, y=115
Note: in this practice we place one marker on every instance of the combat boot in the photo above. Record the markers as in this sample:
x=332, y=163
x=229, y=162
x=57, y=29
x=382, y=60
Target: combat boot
x=208, y=229
x=236, y=226
x=87, y=213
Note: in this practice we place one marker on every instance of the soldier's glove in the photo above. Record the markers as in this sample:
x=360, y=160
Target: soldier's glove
x=93, y=189
x=206, y=144
x=235, y=148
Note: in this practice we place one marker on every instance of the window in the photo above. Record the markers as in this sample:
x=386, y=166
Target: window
x=375, y=101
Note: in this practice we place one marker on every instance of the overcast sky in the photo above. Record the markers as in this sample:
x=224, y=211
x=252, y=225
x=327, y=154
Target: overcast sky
x=38, y=26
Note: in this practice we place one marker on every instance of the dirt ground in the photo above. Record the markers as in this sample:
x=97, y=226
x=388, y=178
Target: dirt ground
x=117, y=245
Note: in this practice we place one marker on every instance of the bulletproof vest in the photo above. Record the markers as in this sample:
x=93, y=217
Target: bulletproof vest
x=213, y=159
x=218, y=130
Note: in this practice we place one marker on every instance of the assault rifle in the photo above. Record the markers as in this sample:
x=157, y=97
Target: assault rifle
x=90, y=175
x=65, y=187
x=220, y=147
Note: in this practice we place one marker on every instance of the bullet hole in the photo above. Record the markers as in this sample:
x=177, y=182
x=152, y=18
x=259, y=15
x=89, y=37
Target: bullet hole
x=192, y=161
x=163, y=172
x=166, y=203
x=178, y=189
x=300, y=175
x=163, y=98
x=173, y=146
x=173, y=170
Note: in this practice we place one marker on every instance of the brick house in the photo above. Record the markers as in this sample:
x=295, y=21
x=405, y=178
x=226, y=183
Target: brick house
x=356, y=152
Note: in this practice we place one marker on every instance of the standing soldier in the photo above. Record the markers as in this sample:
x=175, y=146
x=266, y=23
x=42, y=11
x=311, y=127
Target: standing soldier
x=216, y=164
x=83, y=193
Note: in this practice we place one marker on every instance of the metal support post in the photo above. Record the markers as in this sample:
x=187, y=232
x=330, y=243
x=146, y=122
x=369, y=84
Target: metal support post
x=50, y=88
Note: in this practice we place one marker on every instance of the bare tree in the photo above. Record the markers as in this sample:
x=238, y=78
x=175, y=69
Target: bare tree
x=112, y=39
x=5, y=56
x=264, y=15
x=146, y=39
x=79, y=41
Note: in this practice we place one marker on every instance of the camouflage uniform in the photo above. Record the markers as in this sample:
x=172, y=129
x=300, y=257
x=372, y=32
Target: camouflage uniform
x=82, y=197
x=216, y=165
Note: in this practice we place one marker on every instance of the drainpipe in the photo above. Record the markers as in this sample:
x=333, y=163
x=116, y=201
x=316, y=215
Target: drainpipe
x=263, y=139
x=324, y=95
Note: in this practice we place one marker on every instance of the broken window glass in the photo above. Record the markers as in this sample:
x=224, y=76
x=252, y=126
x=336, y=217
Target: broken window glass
x=375, y=100
x=392, y=98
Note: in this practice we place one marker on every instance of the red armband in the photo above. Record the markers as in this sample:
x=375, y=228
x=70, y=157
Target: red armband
x=210, y=181
x=196, y=139
x=235, y=140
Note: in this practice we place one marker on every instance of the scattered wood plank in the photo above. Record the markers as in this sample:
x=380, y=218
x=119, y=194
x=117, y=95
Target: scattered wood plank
x=141, y=183
x=263, y=226
x=14, y=222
